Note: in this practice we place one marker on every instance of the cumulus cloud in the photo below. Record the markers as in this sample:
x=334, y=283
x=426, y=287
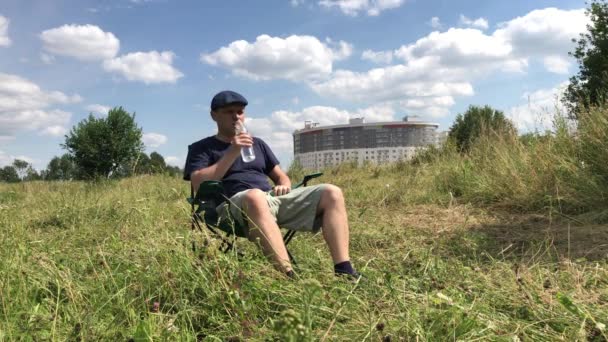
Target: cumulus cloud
x=354, y=7
x=437, y=68
x=480, y=23
x=416, y=81
x=154, y=139
x=98, y=109
x=435, y=23
x=379, y=57
x=294, y=58
x=24, y=106
x=546, y=32
x=83, y=42
x=148, y=67
x=46, y=58
x=556, y=64
x=4, y=39
x=8, y=159
x=175, y=161
x=539, y=110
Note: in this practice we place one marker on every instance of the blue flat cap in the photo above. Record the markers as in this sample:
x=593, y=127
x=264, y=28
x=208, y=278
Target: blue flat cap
x=227, y=97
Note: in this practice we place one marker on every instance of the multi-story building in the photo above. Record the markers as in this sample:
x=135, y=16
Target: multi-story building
x=316, y=147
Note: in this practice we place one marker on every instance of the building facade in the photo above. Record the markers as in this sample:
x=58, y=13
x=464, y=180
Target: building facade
x=316, y=147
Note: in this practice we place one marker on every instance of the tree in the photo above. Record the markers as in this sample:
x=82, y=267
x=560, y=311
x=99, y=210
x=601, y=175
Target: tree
x=9, y=174
x=21, y=167
x=157, y=163
x=100, y=146
x=61, y=168
x=477, y=121
x=142, y=165
x=590, y=86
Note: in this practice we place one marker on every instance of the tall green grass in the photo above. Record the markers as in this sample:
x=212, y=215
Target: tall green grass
x=563, y=171
x=452, y=247
x=113, y=261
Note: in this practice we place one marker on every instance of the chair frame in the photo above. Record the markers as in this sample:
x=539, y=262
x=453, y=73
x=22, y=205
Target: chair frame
x=204, y=201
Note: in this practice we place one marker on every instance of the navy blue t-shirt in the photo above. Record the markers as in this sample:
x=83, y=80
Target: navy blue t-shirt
x=241, y=176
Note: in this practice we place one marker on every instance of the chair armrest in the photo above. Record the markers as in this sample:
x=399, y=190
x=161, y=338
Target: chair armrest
x=307, y=178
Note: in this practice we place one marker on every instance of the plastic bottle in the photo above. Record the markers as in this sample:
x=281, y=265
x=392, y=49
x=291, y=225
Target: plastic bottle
x=246, y=152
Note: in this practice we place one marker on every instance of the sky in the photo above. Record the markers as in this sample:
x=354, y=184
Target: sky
x=294, y=60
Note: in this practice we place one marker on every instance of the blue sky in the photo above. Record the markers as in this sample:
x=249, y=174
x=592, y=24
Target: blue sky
x=294, y=60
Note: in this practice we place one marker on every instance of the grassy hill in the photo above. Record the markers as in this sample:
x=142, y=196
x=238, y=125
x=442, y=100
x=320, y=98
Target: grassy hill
x=113, y=261
x=505, y=242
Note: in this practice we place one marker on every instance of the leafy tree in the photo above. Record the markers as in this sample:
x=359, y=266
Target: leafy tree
x=142, y=164
x=32, y=175
x=174, y=171
x=9, y=174
x=590, y=86
x=101, y=146
x=21, y=167
x=477, y=121
x=157, y=163
x=61, y=168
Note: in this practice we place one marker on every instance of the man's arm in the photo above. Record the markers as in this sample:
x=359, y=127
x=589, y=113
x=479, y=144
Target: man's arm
x=218, y=170
x=281, y=181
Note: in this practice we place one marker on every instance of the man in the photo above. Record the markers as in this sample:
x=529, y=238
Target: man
x=250, y=200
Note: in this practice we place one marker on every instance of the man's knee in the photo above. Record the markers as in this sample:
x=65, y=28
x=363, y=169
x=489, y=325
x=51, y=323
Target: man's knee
x=332, y=194
x=255, y=199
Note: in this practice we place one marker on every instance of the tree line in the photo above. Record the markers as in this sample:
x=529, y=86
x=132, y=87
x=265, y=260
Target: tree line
x=107, y=147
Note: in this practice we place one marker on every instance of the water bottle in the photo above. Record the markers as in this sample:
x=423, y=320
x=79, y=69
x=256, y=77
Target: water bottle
x=246, y=152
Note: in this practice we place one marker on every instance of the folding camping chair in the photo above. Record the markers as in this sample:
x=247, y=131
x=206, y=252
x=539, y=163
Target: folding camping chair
x=204, y=212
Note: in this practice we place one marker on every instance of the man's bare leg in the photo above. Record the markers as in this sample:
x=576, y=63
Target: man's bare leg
x=335, y=222
x=263, y=226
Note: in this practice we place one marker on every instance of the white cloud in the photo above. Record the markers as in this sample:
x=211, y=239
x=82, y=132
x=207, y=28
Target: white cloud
x=4, y=39
x=354, y=7
x=435, y=23
x=98, y=109
x=395, y=83
x=46, y=58
x=46, y=122
x=175, y=161
x=295, y=58
x=54, y=131
x=24, y=106
x=544, y=33
x=556, y=64
x=154, y=139
x=458, y=48
x=83, y=42
x=148, y=67
x=539, y=110
x=7, y=159
x=441, y=66
x=480, y=23
x=380, y=57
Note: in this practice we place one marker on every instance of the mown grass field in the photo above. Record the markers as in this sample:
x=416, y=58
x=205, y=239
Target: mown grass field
x=113, y=261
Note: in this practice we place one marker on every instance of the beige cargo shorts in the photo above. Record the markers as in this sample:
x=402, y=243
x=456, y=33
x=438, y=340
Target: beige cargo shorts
x=296, y=210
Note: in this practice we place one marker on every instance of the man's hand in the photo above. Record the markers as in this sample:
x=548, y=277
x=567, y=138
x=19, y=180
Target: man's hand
x=242, y=140
x=281, y=190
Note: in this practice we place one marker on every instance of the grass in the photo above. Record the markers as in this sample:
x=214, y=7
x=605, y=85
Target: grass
x=113, y=261
x=505, y=242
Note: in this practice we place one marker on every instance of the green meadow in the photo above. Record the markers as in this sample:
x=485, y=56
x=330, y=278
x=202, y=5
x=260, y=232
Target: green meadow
x=506, y=242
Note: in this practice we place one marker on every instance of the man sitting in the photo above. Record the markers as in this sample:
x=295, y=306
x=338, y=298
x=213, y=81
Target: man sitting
x=252, y=204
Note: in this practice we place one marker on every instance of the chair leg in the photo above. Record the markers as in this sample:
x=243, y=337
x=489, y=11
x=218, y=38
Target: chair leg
x=288, y=236
x=292, y=259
